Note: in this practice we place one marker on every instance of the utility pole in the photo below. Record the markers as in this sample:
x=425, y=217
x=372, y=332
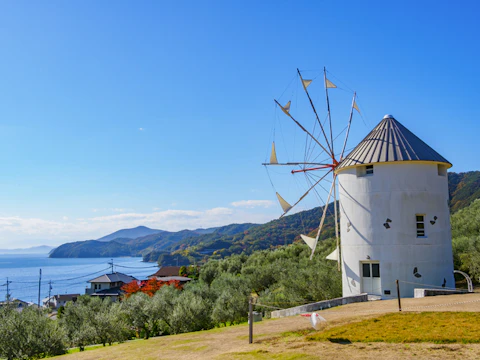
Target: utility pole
x=8, y=292
x=250, y=320
x=111, y=264
x=49, y=292
x=39, y=286
x=398, y=295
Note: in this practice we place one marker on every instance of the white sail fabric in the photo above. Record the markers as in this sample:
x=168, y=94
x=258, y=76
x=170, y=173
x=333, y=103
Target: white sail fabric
x=309, y=241
x=333, y=255
x=315, y=319
x=355, y=106
x=287, y=107
x=285, y=205
x=306, y=83
x=273, y=155
x=329, y=84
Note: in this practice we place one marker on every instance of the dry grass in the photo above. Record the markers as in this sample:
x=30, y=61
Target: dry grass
x=432, y=327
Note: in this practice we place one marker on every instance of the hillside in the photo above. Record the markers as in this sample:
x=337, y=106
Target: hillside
x=293, y=337
x=138, y=246
x=272, y=234
x=463, y=189
x=134, y=233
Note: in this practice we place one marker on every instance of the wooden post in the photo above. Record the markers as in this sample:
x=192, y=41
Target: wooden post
x=250, y=320
x=398, y=294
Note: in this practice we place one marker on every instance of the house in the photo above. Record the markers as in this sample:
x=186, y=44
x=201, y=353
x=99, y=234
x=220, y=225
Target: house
x=18, y=304
x=167, y=271
x=170, y=273
x=56, y=301
x=108, y=285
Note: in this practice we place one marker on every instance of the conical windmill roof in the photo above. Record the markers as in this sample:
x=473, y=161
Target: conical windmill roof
x=390, y=141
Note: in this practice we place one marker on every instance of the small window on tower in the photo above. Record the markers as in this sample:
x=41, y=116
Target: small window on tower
x=442, y=170
x=420, y=225
x=364, y=170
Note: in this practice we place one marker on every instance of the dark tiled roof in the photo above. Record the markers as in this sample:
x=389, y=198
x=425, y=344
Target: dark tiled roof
x=391, y=141
x=167, y=271
x=170, y=278
x=112, y=278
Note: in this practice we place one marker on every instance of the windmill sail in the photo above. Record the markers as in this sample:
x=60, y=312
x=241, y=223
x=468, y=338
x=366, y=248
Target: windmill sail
x=329, y=84
x=285, y=205
x=308, y=240
x=273, y=155
x=333, y=255
x=306, y=83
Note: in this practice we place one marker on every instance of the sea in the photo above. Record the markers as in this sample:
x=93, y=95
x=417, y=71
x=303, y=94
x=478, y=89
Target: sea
x=60, y=276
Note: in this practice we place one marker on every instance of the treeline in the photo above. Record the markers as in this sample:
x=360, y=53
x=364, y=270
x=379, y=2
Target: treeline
x=466, y=240
x=281, y=278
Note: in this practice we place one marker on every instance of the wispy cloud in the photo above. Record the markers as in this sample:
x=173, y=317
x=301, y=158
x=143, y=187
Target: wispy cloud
x=250, y=204
x=141, y=129
x=18, y=231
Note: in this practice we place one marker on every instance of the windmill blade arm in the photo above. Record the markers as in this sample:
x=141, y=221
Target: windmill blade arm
x=296, y=163
x=305, y=130
x=322, y=220
x=348, y=128
x=303, y=196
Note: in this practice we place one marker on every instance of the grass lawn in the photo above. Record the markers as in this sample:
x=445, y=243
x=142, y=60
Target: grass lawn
x=432, y=327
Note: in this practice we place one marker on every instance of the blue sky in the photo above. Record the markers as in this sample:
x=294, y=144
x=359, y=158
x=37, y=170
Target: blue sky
x=116, y=114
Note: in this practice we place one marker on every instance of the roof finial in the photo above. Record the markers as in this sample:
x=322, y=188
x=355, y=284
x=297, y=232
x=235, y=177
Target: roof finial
x=388, y=116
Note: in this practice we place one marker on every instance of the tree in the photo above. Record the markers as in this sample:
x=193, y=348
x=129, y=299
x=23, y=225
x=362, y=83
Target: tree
x=29, y=334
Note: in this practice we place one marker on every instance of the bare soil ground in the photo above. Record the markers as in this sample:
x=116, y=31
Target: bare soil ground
x=277, y=338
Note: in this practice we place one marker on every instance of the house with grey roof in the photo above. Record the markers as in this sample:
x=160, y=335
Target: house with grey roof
x=108, y=285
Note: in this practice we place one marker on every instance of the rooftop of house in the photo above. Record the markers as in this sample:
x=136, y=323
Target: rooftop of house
x=167, y=271
x=113, y=278
x=172, y=278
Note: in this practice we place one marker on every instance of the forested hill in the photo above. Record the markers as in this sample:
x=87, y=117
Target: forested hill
x=123, y=246
x=464, y=188
x=272, y=234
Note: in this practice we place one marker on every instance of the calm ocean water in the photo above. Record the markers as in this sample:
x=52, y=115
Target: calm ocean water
x=68, y=276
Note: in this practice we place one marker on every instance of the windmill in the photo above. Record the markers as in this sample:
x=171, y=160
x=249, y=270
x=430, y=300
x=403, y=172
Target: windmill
x=321, y=142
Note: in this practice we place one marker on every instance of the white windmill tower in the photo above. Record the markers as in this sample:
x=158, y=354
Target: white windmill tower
x=393, y=206
x=395, y=219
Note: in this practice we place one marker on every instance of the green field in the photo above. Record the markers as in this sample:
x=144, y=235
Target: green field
x=432, y=327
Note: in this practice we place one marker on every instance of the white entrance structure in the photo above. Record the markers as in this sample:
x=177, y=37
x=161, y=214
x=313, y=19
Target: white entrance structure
x=394, y=214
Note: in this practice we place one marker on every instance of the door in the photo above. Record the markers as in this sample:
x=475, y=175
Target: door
x=371, y=283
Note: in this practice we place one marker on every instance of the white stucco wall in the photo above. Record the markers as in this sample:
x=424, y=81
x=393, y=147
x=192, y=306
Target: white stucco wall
x=397, y=191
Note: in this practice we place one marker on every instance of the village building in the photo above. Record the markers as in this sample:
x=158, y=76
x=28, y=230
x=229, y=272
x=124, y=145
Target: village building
x=18, y=304
x=394, y=215
x=56, y=301
x=108, y=285
x=170, y=273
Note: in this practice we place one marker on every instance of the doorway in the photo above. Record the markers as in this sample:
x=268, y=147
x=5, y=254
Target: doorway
x=371, y=283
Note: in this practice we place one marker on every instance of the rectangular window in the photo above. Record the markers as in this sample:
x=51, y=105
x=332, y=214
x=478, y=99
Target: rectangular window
x=364, y=170
x=376, y=270
x=366, y=270
x=442, y=170
x=420, y=225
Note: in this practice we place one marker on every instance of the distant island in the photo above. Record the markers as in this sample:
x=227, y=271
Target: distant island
x=42, y=249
